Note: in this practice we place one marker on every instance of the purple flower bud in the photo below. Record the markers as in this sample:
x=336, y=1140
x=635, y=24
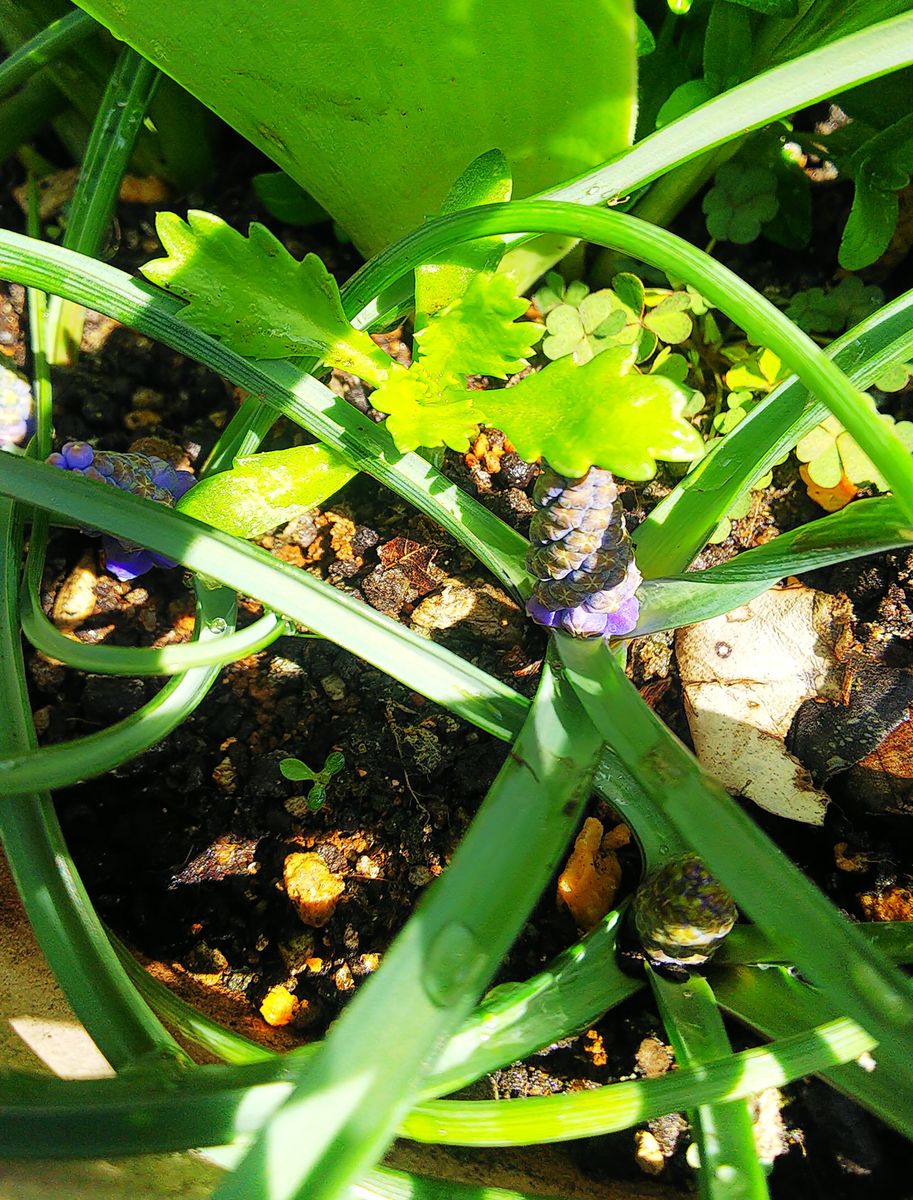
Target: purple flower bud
x=581, y=557
x=142, y=474
x=16, y=408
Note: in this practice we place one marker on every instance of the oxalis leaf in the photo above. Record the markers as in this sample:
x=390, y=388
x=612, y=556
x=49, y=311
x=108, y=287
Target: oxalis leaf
x=426, y=410
x=477, y=334
x=256, y=297
x=267, y=490
x=594, y=414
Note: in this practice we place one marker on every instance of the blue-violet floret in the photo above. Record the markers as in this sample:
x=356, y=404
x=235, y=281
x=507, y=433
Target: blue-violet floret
x=17, y=422
x=144, y=475
x=581, y=557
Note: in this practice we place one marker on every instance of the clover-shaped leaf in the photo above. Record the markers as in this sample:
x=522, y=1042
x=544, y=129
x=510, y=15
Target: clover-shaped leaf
x=673, y=366
x=478, y=334
x=755, y=372
x=556, y=291
x=669, y=319
x=831, y=454
x=741, y=200
x=600, y=320
x=894, y=378
x=832, y=311
x=595, y=414
x=738, y=405
x=286, y=307
x=630, y=291
x=426, y=410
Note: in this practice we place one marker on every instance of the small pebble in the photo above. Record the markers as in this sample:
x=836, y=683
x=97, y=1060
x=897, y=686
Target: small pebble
x=279, y=1006
x=343, y=979
x=75, y=602
x=648, y=1154
x=312, y=888
x=334, y=687
x=589, y=882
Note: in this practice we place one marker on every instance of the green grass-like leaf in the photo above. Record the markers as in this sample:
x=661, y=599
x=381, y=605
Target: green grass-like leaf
x=578, y=416
x=253, y=295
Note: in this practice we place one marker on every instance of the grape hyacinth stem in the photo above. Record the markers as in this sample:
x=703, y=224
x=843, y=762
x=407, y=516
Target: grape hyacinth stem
x=581, y=557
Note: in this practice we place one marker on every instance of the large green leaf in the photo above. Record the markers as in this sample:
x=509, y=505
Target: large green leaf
x=253, y=295
x=578, y=416
x=485, y=181
x=375, y=112
x=265, y=490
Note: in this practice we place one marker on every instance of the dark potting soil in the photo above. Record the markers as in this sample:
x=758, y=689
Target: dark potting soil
x=183, y=849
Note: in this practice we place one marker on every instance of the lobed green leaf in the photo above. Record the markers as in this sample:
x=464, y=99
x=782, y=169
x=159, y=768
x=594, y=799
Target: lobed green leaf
x=425, y=410
x=256, y=297
x=478, y=334
x=580, y=416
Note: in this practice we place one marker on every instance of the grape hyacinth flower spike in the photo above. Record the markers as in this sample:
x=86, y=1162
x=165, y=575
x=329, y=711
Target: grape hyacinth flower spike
x=581, y=557
x=682, y=913
x=17, y=421
x=144, y=475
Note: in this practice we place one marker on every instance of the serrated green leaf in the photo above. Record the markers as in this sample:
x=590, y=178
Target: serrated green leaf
x=486, y=180
x=478, y=334
x=252, y=294
x=427, y=411
x=870, y=225
x=266, y=490
x=580, y=416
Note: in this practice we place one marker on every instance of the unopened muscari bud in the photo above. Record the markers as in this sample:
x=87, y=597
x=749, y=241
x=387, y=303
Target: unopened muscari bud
x=144, y=475
x=581, y=557
x=682, y=913
x=16, y=408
